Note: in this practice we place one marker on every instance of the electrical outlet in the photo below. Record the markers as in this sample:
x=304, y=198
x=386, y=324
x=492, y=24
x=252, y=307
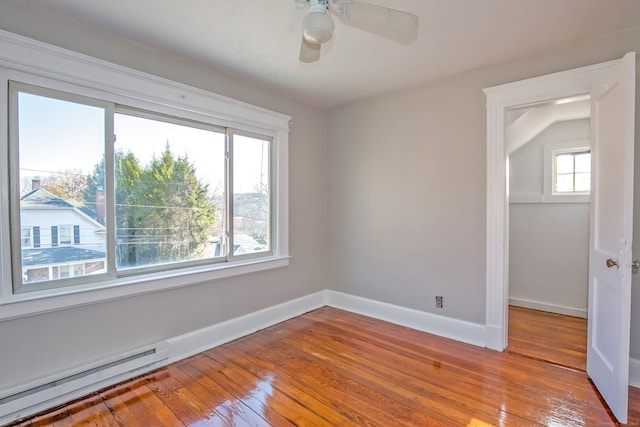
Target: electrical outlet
x=439, y=303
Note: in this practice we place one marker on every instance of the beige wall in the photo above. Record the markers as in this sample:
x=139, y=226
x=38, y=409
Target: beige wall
x=36, y=346
x=407, y=187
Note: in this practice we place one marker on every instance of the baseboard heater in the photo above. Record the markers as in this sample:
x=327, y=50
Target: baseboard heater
x=26, y=400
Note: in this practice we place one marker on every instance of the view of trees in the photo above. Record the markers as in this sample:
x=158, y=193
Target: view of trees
x=163, y=212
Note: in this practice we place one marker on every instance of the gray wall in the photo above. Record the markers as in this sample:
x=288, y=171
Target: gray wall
x=407, y=186
x=548, y=240
x=41, y=345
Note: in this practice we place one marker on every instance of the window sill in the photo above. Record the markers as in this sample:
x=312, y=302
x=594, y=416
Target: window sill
x=38, y=302
x=556, y=198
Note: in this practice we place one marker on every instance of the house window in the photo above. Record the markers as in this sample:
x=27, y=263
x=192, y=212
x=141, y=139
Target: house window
x=572, y=172
x=65, y=235
x=67, y=161
x=27, y=242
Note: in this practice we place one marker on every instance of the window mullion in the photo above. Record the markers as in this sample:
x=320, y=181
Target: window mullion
x=229, y=195
x=109, y=177
x=14, y=187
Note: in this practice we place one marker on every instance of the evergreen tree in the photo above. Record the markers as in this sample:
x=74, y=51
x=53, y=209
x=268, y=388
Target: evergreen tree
x=163, y=211
x=178, y=213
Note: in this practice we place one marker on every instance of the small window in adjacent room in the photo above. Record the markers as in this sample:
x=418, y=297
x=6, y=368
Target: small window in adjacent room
x=572, y=172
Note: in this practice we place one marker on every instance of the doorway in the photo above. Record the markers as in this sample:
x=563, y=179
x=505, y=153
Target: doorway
x=612, y=88
x=549, y=155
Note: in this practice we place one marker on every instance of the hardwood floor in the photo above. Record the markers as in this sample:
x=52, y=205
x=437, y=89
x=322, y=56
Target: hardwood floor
x=548, y=336
x=334, y=368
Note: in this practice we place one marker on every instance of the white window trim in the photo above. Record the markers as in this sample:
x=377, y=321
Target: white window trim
x=41, y=64
x=68, y=227
x=22, y=229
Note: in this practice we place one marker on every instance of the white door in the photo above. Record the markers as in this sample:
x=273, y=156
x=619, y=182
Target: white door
x=612, y=127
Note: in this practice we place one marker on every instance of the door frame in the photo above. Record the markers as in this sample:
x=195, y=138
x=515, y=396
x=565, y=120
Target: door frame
x=564, y=84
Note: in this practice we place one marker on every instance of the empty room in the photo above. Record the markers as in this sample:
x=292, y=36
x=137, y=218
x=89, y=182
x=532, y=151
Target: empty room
x=319, y=212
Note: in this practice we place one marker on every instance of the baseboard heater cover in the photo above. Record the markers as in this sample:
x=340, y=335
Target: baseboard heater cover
x=18, y=403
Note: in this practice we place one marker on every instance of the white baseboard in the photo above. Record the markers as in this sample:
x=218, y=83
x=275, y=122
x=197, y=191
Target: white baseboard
x=551, y=308
x=459, y=330
x=195, y=342
x=634, y=372
x=495, y=337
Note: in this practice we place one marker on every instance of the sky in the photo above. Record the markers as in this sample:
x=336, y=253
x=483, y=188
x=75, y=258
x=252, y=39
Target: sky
x=58, y=135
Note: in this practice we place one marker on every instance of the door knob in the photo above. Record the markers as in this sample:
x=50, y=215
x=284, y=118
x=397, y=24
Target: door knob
x=635, y=266
x=611, y=263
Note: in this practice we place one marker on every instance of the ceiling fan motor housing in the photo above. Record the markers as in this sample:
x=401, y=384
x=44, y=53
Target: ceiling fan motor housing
x=317, y=25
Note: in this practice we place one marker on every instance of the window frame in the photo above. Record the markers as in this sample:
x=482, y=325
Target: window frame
x=29, y=229
x=549, y=173
x=68, y=227
x=573, y=152
x=41, y=65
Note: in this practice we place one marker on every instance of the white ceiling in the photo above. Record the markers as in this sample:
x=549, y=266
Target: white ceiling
x=260, y=39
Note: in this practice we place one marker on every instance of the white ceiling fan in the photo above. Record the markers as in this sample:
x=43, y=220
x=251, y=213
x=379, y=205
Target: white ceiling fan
x=317, y=26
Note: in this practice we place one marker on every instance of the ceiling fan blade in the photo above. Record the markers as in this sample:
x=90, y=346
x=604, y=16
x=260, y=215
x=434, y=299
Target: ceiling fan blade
x=395, y=24
x=309, y=52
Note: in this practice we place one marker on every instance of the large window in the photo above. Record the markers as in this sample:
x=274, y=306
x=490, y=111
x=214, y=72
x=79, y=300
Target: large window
x=148, y=191
x=116, y=183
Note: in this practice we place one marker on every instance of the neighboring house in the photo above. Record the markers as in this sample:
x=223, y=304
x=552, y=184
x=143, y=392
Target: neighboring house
x=60, y=238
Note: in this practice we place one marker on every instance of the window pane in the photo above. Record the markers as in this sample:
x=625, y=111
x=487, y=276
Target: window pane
x=26, y=237
x=573, y=172
x=583, y=181
x=564, y=163
x=65, y=234
x=169, y=192
x=251, y=195
x=564, y=183
x=59, y=144
x=583, y=162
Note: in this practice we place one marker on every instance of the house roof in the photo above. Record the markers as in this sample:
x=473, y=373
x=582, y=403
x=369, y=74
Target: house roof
x=60, y=254
x=43, y=199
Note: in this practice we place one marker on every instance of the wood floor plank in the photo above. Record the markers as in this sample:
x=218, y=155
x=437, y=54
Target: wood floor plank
x=330, y=367
x=224, y=404
x=243, y=389
x=383, y=378
x=440, y=384
x=320, y=381
x=548, y=336
x=287, y=387
x=182, y=402
x=148, y=408
x=117, y=400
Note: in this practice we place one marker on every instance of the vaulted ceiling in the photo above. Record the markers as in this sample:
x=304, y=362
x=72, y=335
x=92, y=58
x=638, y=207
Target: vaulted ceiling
x=260, y=39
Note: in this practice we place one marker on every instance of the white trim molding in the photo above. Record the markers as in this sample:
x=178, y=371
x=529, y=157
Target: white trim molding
x=459, y=330
x=500, y=99
x=551, y=308
x=212, y=336
x=634, y=372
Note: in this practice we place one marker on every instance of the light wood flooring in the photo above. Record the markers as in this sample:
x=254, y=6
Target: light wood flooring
x=334, y=368
x=548, y=336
